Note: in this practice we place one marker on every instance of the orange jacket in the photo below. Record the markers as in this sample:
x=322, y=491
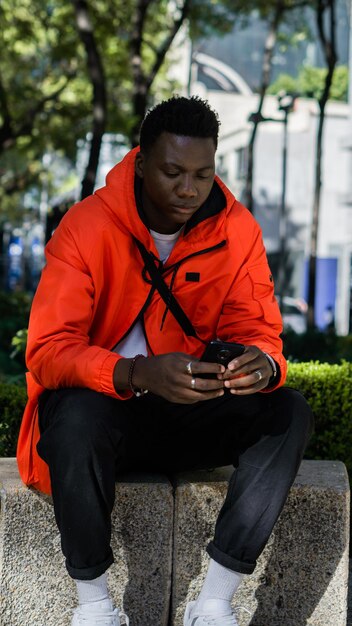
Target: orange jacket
x=92, y=290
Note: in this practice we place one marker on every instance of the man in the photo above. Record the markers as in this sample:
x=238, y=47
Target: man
x=101, y=335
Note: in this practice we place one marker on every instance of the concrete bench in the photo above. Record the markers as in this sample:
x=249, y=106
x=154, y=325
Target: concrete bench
x=35, y=588
x=301, y=577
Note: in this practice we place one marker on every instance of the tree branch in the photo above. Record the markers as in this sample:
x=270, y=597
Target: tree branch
x=26, y=125
x=6, y=131
x=329, y=50
x=140, y=89
x=136, y=41
x=97, y=77
x=270, y=43
x=165, y=46
x=328, y=45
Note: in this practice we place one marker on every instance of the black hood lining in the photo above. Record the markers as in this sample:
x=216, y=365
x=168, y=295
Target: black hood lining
x=138, y=186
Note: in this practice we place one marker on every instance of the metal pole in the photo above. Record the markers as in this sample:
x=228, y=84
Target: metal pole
x=282, y=217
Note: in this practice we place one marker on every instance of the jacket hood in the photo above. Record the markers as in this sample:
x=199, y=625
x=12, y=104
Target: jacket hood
x=118, y=195
x=120, y=198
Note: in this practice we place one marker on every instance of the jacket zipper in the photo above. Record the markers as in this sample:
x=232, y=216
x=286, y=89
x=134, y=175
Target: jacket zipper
x=166, y=270
x=139, y=316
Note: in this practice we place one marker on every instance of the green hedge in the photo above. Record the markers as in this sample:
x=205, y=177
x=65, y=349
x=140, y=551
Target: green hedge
x=328, y=389
x=12, y=401
x=14, y=313
x=314, y=344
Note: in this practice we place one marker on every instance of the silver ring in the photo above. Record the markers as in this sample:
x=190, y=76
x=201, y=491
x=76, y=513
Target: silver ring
x=193, y=383
x=260, y=375
x=189, y=368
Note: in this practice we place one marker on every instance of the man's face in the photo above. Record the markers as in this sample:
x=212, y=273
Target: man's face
x=178, y=174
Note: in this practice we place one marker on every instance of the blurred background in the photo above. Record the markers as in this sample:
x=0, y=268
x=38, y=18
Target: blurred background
x=76, y=78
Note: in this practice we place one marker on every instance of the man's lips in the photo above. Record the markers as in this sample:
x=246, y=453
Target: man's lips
x=184, y=207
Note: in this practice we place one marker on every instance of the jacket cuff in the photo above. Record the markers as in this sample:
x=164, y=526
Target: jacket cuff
x=106, y=381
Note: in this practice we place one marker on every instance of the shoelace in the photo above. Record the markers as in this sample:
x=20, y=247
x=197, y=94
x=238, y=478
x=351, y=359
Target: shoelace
x=103, y=620
x=225, y=620
x=221, y=620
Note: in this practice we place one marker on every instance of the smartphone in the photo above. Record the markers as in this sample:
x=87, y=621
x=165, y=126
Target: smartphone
x=221, y=352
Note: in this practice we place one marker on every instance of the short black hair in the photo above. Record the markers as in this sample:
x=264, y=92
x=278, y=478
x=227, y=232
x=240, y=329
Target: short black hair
x=189, y=117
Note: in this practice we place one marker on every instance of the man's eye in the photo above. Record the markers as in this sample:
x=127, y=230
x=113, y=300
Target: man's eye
x=203, y=176
x=171, y=174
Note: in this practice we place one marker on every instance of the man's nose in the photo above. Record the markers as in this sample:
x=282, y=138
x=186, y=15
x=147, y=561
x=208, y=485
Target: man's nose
x=187, y=188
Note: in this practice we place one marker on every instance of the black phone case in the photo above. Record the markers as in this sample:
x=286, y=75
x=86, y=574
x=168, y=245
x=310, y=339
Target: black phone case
x=222, y=352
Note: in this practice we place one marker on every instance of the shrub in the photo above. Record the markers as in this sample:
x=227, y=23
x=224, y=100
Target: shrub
x=14, y=313
x=12, y=401
x=317, y=345
x=328, y=390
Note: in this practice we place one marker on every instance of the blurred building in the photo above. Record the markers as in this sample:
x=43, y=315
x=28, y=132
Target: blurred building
x=335, y=224
x=226, y=71
x=242, y=48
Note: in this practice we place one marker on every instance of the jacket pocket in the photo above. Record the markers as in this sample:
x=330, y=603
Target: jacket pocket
x=263, y=292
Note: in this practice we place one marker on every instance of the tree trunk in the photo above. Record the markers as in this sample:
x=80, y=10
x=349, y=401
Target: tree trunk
x=142, y=83
x=139, y=90
x=96, y=74
x=328, y=44
x=257, y=116
x=6, y=131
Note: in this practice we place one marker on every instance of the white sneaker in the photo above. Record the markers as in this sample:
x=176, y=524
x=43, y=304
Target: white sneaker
x=199, y=619
x=103, y=618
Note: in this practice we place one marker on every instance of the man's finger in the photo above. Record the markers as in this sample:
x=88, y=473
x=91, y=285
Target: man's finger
x=257, y=379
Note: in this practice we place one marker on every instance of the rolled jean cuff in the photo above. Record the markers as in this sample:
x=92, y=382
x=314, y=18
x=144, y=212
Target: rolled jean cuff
x=240, y=567
x=89, y=573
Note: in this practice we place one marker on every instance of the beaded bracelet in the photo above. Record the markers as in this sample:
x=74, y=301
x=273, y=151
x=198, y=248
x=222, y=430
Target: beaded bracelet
x=137, y=392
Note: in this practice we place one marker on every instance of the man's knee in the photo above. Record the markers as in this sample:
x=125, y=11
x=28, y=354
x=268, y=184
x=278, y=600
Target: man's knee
x=293, y=404
x=73, y=422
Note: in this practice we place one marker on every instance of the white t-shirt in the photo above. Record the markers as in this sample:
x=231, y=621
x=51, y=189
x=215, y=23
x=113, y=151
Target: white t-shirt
x=135, y=342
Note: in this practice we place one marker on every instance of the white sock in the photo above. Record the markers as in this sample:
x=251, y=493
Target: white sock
x=218, y=589
x=93, y=594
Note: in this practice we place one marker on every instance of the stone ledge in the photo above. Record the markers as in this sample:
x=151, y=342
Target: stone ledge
x=35, y=587
x=301, y=577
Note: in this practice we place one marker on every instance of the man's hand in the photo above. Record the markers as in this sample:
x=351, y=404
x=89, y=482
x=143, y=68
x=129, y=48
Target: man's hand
x=248, y=373
x=171, y=377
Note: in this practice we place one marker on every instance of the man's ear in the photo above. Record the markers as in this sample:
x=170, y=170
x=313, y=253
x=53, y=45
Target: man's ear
x=139, y=164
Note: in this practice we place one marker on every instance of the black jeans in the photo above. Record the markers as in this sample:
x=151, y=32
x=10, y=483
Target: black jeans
x=88, y=438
